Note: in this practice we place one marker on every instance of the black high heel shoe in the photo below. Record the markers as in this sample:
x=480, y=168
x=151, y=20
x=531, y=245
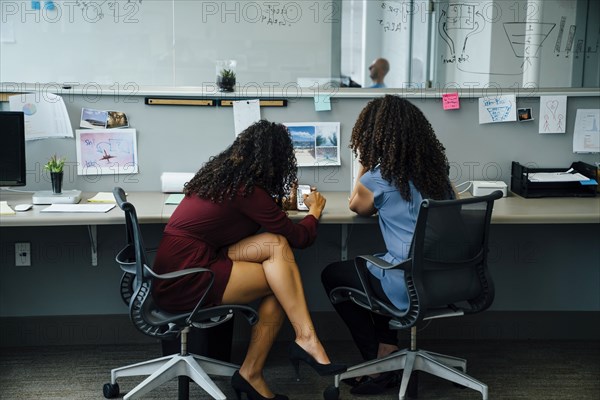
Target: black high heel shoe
x=297, y=353
x=240, y=385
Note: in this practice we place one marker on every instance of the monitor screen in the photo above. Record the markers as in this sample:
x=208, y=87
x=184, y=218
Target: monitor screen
x=12, y=150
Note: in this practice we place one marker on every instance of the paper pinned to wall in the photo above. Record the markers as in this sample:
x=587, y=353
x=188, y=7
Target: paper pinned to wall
x=316, y=144
x=106, y=152
x=450, y=101
x=586, y=135
x=245, y=113
x=45, y=115
x=553, y=114
x=497, y=109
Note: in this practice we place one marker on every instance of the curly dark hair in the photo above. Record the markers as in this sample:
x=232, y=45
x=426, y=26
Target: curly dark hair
x=393, y=133
x=262, y=155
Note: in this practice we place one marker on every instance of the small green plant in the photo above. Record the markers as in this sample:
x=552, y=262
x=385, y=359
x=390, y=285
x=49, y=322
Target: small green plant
x=227, y=74
x=55, y=164
x=226, y=80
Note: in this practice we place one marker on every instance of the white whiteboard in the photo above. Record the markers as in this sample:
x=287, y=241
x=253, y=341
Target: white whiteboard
x=166, y=42
x=509, y=44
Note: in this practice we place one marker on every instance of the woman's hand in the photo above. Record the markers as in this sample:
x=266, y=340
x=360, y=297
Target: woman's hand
x=315, y=202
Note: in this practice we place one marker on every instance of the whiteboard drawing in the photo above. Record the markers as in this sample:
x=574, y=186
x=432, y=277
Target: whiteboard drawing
x=561, y=32
x=553, y=112
x=105, y=152
x=569, y=46
x=462, y=25
x=526, y=38
x=465, y=22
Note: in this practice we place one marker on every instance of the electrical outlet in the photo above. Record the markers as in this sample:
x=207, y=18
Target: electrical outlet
x=23, y=254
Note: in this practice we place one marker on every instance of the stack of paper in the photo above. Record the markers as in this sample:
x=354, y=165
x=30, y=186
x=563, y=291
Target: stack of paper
x=102, y=197
x=86, y=208
x=5, y=209
x=174, y=198
x=557, y=177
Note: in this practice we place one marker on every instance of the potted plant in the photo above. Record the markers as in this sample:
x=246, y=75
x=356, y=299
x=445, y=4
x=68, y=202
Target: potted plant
x=56, y=166
x=226, y=80
x=226, y=75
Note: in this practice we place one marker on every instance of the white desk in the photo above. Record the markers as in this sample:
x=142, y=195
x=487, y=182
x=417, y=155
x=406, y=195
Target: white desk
x=151, y=209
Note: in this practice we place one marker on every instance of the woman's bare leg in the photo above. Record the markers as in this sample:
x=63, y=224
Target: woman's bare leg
x=264, y=264
x=264, y=332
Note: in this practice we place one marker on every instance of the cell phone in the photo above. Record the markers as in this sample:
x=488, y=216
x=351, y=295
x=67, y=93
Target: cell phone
x=302, y=190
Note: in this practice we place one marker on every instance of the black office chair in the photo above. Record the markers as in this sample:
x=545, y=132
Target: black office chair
x=446, y=275
x=136, y=288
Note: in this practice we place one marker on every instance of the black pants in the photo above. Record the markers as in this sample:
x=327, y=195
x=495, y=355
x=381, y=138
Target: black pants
x=367, y=328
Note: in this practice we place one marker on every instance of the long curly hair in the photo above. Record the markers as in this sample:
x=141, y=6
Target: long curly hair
x=393, y=133
x=262, y=155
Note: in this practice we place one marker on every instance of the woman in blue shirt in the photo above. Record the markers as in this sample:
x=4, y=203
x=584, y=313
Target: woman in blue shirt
x=402, y=162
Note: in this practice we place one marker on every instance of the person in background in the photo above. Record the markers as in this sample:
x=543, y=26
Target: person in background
x=401, y=163
x=216, y=226
x=377, y=71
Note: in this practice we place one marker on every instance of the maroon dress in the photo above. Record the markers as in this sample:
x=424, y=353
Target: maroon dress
x=199, y=233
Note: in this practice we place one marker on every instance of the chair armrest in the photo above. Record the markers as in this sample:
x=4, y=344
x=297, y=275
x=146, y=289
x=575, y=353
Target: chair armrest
x=215, y=315
x=379, y=263
x=360, y=262
x=176, y=274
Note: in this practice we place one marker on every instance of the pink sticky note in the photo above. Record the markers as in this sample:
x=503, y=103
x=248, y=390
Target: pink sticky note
x=450, y=101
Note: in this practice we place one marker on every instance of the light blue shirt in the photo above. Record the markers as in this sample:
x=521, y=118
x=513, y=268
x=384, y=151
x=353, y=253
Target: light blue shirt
x=377, y=86
x=397, y=221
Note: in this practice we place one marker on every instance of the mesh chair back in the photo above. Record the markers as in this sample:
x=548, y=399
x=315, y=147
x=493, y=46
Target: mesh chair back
x=446, y=272
x=144, y=313
x=449, y=253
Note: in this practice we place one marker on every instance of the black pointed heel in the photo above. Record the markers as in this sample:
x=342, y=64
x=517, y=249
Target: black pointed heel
x=240, y=385
x=297, y=354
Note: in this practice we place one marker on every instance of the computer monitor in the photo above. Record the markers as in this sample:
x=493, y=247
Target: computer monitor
x=12, y=149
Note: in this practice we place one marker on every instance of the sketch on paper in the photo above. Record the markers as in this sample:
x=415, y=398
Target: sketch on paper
x=553, y=114
x=316, y=144
x=497, y=109
x=109, y=151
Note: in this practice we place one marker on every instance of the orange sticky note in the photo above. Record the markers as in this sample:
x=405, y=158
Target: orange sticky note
x=450, y=101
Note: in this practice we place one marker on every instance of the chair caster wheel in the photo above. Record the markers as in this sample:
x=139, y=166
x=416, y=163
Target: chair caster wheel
x=110, y=391
x=331, y=393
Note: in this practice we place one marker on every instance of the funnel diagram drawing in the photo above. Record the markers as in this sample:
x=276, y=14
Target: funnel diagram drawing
x=526, y=39
x=499, y=113
x=497, y=109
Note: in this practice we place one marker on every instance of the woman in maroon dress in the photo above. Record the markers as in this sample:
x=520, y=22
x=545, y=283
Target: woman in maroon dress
x=216, y=226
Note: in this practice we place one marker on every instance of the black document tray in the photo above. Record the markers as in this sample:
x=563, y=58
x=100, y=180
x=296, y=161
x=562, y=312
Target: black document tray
x=520, y=184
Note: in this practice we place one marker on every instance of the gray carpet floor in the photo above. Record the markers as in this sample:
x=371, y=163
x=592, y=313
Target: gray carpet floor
x=542, y=370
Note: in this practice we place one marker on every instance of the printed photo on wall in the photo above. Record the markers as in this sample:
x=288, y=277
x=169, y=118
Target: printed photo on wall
x=316, y=144
x=99, y=119
x=106, y=152
x=524, y=114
